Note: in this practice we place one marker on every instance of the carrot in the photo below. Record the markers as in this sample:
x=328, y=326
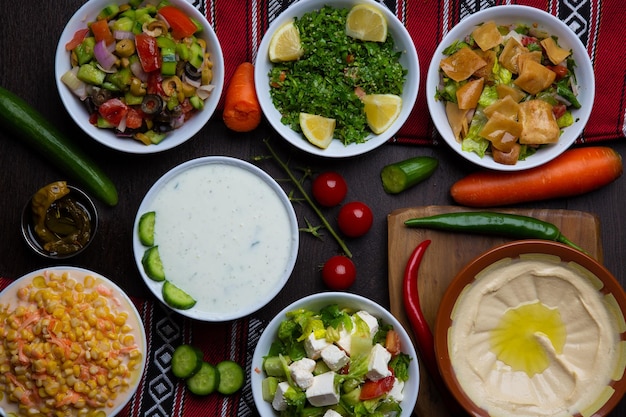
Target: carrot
x=576, y=171
x=242, y=111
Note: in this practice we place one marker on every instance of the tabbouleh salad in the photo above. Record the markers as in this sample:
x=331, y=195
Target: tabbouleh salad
x=334, y=69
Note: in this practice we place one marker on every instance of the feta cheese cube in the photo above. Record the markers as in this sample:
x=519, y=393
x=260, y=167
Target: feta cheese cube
x=377, y=367
x=313, y=346
x=345, y=340
x=396, y=390
x=371, y=321
x=331, y=413
x=323, y=391
x=302, y=372
x=334, y=357
x=279, y=403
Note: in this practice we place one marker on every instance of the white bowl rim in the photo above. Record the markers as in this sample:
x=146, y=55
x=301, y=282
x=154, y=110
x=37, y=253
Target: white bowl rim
x=86, y=13
x=511, y=14
x=139, y=248
x=144, y=343
x=319, y=300
x=337, y=149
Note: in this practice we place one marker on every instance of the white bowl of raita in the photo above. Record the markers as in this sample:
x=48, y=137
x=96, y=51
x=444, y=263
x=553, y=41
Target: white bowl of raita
x=215, y=238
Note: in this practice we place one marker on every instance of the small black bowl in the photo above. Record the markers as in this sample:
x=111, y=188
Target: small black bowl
x=28, y=228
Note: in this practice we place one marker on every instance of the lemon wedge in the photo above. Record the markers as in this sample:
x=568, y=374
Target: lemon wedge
x=381, y=110
x=285, y=43
x=366, y=23
x=317, y=129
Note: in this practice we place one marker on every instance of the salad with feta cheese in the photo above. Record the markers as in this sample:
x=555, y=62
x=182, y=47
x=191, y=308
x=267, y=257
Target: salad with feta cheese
x=335, y=362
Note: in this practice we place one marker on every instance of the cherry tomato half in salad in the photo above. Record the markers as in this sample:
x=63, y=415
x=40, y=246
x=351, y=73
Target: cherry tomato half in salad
x=329, y=189
x=339, y=273
x=374, y=389
x=355, y=219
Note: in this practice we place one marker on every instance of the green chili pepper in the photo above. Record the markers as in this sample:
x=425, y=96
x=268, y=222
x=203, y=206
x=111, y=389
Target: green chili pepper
x=511, y=225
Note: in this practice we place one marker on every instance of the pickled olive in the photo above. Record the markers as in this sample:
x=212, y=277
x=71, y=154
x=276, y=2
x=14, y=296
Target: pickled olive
x=188, y=90
x=143, y=138
x=192, y=72
x=174, y=86
x=152, y=104
x=125, y=48
x=137, y=88
x=207, y=75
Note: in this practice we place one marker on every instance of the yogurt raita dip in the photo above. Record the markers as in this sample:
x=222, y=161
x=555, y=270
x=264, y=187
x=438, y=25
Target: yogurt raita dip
x=224, y=236
x=534, y=337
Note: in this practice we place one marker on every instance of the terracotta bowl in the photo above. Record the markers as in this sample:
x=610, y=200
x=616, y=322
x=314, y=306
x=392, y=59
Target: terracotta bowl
x=458, y=304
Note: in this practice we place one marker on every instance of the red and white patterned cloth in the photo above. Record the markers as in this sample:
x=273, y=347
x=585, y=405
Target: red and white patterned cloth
x=241, y=24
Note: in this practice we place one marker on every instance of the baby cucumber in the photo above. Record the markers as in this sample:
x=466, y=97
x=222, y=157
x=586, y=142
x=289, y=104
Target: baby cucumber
x=22, y=120
x=186, y=361
x=177, y=298
x=402, y=175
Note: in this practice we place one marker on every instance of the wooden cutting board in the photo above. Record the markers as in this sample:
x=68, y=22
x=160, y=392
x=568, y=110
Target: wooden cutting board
x=447, y=253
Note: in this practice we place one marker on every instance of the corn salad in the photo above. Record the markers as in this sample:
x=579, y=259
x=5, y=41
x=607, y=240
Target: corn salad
x=67, y=347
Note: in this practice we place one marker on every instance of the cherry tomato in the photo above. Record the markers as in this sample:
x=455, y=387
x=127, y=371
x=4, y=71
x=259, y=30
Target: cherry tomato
x=393, y=343
x=355, y=219
x=374, y=389
x=113, y=111
x=329, y=189
x=339, y=272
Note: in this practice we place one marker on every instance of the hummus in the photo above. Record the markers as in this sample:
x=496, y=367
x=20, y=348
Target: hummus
x=534, y=337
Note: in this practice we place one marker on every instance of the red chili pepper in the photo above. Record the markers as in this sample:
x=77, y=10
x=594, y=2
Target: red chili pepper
x=420, y=327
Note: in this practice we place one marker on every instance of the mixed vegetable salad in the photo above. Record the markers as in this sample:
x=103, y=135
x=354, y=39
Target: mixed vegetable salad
x=508, y=90
x=140, y=69
x=334, y=69
x=335, y=362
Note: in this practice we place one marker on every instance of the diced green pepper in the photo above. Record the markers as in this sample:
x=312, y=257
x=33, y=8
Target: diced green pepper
x=89, y=74
x=102, y=123
x=183, y=51
x=107, y=85
x=165, y=42
x=134, y=3
x=84, y=51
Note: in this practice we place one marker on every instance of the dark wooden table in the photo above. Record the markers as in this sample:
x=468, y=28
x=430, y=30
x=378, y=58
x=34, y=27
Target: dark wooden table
x=30, y=31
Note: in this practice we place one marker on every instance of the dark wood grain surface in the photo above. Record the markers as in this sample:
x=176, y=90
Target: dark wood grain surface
x=30, y=31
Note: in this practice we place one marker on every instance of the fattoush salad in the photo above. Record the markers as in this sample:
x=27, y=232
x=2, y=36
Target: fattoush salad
x=140, y=69
x=507, y=90
x=335, y=362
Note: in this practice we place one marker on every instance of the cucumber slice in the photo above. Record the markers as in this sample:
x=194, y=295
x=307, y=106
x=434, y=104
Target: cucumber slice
x=146, y=228
x=402, y=175
x=231, y=377
x=152, y=264
x=205, y=381
x=177, y=298
x=186, y=361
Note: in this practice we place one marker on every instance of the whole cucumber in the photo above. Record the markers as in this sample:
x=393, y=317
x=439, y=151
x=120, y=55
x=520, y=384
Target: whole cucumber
x=402, y=175
x=22, y=120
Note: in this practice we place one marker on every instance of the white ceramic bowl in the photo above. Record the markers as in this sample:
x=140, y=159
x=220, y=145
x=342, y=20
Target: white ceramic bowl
x=336, y=149
x=122, y=303
x=250, y=218
x=344, y=300
x=76, y=109
x=511, y=14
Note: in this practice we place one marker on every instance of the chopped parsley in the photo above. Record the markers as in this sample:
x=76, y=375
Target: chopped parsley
x=334, y=66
